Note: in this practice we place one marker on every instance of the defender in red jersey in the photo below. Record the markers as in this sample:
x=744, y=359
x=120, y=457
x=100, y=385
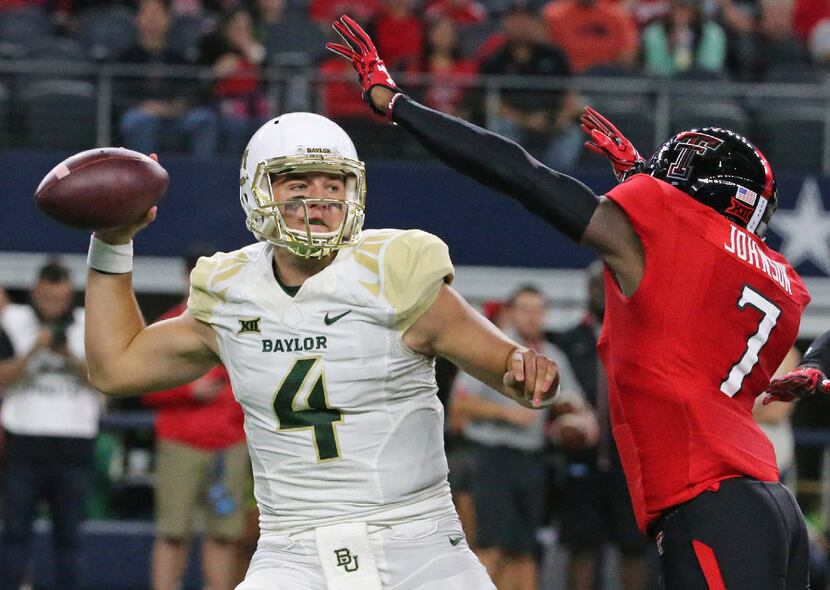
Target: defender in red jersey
x=699, y=313
x=713, y=316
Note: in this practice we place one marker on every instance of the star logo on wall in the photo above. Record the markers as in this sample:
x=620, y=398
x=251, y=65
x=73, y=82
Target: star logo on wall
x=805, y=230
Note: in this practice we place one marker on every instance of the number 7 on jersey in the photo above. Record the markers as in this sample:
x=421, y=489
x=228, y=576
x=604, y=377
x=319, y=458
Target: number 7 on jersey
x=732, y=384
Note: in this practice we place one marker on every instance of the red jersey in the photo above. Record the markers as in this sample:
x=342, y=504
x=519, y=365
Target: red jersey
x=209, y=426
x=714, y=315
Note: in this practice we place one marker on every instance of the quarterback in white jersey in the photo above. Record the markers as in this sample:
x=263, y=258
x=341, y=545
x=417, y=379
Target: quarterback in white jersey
x=329, y=334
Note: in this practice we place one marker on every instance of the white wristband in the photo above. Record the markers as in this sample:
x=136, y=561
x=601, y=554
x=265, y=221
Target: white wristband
x=546, y=403
x=112, y=259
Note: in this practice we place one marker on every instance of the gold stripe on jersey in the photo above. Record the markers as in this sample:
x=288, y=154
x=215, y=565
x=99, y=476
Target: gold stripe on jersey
x=230, y=267
x=415, y=265
x=367, y=255
x=204, y=277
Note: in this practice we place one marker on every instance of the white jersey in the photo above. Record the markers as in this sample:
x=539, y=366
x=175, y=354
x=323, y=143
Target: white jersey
x=49, y=399
x=342, y=419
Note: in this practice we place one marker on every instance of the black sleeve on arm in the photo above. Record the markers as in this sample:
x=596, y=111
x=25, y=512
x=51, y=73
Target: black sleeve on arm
x=818, y=355
x=500, y=164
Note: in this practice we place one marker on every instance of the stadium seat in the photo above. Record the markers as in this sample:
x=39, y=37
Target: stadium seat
x=808, y=76
x=59, y=114
x=612, y=99
x=719, y=112
x=24, y=26
x=472, y=37
x=12, y=51
x=792, y=138
x=795, y=74
x=295, y=36
x=185, y=35
x=375, y=139
x=56, y=49
x=699, y=75
x=105, y=32
x=611, y=71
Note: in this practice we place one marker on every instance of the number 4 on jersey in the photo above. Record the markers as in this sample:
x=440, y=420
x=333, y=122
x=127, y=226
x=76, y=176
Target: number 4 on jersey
x=317, y=415
x=732, y=384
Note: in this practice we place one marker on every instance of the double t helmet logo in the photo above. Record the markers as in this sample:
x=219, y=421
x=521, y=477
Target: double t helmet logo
x=692, y=144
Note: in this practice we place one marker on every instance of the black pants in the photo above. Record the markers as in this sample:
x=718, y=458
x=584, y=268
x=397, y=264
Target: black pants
x=746, y=535
x=507, y=495
x=55, y=469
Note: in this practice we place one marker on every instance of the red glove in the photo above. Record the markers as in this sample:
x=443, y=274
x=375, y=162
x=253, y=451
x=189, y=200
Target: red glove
x=606, y=140
x=363, y=54
x=798, y=384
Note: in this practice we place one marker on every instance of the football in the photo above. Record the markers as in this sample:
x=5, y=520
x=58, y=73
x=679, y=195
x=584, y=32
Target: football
x=101, y=188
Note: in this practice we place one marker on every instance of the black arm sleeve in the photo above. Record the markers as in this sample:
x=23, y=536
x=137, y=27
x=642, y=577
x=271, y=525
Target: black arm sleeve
x=818, y=355
x=500, y=164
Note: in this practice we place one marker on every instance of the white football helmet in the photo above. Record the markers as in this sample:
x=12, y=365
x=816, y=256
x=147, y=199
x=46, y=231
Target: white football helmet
x=296, y=143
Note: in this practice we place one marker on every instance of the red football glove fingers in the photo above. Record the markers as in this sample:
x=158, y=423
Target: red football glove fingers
x=606, y=140
x=797, y=384
x=343, y=50
x=592, y=119
x=361, y=51
x=354, y=35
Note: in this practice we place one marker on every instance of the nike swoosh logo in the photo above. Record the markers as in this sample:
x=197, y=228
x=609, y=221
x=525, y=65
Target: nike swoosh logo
x=455, y=540
x=329, y=321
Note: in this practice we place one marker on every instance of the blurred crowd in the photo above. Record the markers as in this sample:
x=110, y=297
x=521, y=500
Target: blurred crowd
x=455, y=37
x=454, y=42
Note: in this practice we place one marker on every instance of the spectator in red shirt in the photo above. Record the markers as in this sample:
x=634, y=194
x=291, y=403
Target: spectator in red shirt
x=325, y=11
x=592, y=32
x=338, y=98
x=201, y=465
x=461, y=12
x=442, y=58
x=399, y=34
x=18, y=4
x=807, y=14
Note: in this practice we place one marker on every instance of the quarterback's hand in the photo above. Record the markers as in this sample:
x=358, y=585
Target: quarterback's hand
x=606, y=140
x=359, y=49
x=123, y=234
x=797, y=384
x=531, y=379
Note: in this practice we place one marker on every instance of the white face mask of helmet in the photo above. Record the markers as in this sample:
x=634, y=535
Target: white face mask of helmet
x=299, y=143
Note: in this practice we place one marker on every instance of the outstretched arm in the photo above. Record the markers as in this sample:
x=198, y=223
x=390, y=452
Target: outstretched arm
x=452, y=329
x=499, y=163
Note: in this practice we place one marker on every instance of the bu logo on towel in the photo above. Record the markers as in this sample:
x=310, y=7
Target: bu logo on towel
x=346, y=559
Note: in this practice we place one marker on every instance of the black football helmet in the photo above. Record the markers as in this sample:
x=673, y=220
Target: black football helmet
x=721, y=169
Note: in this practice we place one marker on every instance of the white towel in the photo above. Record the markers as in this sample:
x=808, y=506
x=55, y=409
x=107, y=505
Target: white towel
x=346, y=557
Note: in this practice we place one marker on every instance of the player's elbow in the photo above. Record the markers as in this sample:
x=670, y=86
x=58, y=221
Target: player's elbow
x=108, y=383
